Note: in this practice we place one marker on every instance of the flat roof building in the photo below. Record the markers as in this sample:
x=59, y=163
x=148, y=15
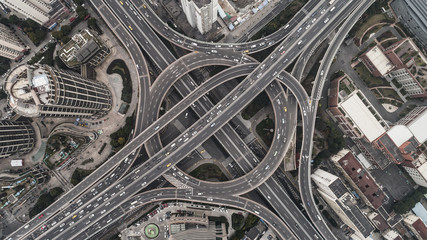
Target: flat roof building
x=43, y=91
x=16, y=138
x=376, y=61
x=342, y=202
x=362, y=117
x=417, y=226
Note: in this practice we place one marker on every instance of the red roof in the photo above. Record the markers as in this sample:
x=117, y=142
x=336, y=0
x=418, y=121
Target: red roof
x=362, y=179
x=421, y=228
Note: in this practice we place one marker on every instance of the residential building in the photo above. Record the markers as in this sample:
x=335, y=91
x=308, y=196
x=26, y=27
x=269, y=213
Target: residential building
x=201, y=13
x=16, y=138
x=10, y=45
x=342, y=202
x=43, y=91
x=413, y=14
x=43, y=12
x=391, y=235
x=360, y=179
x=417, y=226
x=401, y=144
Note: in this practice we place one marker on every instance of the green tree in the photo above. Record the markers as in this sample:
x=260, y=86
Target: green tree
x=65, y=39
x=66, y=29
x=92, y=23
x=121, y=140
x=57, y=34
x=33, y=37
x=81, y=12
x=79, y=2
x=13, y=19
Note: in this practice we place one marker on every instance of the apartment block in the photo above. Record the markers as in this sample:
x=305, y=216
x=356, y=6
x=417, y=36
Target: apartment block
x=10, y=45
x=201, y=13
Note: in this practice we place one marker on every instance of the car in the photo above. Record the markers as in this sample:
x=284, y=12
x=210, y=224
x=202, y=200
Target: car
x=143, y=184
x=130, y=27
x=121, y=2
x=213, y=125
x=169, y=164
x=156, y=128
x=41, y=216
x=144, y=6
x=74, y=216
x=43, y=227
x=285, y=109
x=305, y=113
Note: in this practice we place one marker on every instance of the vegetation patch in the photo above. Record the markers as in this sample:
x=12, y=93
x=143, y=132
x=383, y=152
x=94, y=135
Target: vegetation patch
x=250, y=222
x=281, y=19
x=257, y=104
x=389, y=93
x=368, y=78
x=45, y=57
x=119, y=137
x=119, y=66
x=264, y=130
x=329, y=218
x=45, y=200
x=237, y=221
x=35, y=32
x=208, y=172
x=79, y=174
x=408, y=202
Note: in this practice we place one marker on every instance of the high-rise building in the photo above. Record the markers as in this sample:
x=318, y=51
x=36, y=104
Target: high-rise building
x=200, y=13
x=10, y=45
x=413, y=14
x=15, y=138
x=43, y=12
x=334, y=192
x=404, y=77
x=43, y=91
x=37, y=10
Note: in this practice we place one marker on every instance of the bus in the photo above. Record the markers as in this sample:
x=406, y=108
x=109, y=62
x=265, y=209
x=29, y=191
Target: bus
x=87, y=17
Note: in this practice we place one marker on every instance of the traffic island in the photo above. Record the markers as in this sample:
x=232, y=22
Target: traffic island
x=151, y=231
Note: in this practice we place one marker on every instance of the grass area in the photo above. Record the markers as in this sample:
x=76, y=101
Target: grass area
x=388, y=43
x=377, y=18
x=281, y=19
x=407, y=110
x=45, y=200
x=368, y=78
x=119, y=66
x=348, y=88
x=385, y=35
x=263, y=130
x=371, y=31
x=419, y=61
x=79, y=174
x=257, y=104
x=120, y=137
x=208, y=171
x=390, y=93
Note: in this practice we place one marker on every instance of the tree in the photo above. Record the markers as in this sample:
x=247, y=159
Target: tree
x=66, y=29
x=57, y=34
x=121, y=140
x=65, y=39
x=92, y=23
x=81, y=11
x=33, y=37
x=13, y=19
x=79, y=2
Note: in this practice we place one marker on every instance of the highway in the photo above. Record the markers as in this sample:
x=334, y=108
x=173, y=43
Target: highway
x=158, y=164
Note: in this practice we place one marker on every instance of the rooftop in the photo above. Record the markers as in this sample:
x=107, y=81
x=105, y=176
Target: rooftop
x=399, y=134
x=379, y=60
x=362, y=179
x=418, y=127
x=362, y=117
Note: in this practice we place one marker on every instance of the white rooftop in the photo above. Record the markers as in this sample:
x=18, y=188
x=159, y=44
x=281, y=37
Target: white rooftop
x=418, y=127
x=380, y=61
x=399, y=134
x=362, y=117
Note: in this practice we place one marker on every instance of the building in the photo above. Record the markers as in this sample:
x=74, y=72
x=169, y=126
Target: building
x=413, y=14
x=360, y=179
x=16, y=138
x=404, y=77
x=43, y=91
x=342, y=202
x=17, y=163
x=391, y=235
x=401, y=144
x=376, y=62
x=10, y=45
x=84, y=47
x=201, y=13
x=417, y=226
x=43, y=12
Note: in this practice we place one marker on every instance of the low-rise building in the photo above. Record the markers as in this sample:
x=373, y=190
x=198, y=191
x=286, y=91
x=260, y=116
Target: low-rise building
x=417, y=226
x=377, y=62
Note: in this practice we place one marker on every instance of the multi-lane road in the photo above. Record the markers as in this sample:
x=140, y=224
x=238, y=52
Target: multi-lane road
x=103, y=196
